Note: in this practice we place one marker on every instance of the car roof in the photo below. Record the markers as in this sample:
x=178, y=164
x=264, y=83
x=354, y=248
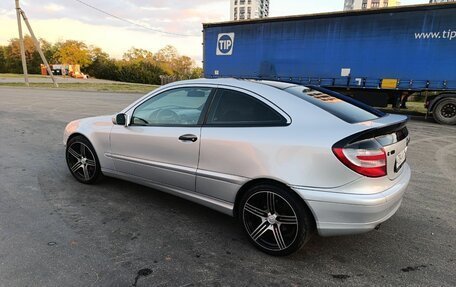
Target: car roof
x=276, y=84
x=267, y=89
x=241, y=83
x=274, y=92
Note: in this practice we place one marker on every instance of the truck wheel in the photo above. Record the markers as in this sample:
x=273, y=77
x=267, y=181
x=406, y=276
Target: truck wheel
x=445, y=111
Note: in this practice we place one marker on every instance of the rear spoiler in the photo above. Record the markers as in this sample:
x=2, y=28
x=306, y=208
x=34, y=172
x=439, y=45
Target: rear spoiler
x=399, y=129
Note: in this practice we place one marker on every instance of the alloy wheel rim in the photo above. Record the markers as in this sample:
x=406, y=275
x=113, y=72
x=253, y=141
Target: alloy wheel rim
x=270, y=220
x=449, y=110
x=81, y=161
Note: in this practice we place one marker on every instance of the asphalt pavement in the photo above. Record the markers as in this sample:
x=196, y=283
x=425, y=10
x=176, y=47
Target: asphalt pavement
x=55, y=231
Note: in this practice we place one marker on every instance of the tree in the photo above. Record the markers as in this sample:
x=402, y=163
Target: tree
x=197, y=73
x=12, y=55
x=49, y=51
x=182, y=67
x=73, y=52
x=97, y=53
x=137, y=65
x=167, y=54
x=173, y=64
x=34, y=61
x=2, y=60
x=138, y=55
x=140, y=72
x=29, y=47
x=102, y=66
x=165, y=57
x=13, y=60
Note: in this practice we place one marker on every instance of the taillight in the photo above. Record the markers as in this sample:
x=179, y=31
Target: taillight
x=365, y=157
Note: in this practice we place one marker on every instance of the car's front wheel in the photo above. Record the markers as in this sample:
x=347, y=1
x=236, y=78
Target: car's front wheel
x=82, y=160
x=275, y=219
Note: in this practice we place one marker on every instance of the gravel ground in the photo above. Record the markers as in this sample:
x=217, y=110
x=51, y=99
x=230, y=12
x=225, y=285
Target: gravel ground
x=55, y=231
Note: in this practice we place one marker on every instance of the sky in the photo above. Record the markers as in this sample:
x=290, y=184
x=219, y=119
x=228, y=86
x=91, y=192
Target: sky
x=58, y=20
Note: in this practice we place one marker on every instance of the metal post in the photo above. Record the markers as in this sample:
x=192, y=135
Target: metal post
x=38, y=47
x=21, y=43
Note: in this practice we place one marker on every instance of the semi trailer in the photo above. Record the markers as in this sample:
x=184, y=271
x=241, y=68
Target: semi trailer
x=373, y=55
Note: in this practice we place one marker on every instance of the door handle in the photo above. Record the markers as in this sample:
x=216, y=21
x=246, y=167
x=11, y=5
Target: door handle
x=188, y=137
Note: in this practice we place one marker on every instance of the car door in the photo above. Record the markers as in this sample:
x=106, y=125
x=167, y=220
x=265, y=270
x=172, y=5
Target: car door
x=161, y=143
x=240, y=129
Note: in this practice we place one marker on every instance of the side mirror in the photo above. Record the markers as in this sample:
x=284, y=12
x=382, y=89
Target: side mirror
x=121, y=120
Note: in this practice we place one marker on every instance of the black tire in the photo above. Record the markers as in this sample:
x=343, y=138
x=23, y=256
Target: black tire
x=445, y=111
x=82, y=160
x=278, y=229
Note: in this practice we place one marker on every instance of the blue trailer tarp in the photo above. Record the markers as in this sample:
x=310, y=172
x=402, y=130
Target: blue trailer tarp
x=397, y=48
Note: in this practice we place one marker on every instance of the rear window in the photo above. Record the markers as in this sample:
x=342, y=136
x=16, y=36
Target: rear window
x=239, y=109
x=341, y=106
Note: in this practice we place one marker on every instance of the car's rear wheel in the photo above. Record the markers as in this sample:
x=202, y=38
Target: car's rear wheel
x=445, y=112
x=82, y=160
x=275, y=219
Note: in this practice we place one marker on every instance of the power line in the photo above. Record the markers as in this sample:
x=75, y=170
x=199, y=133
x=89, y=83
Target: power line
x=131, y=22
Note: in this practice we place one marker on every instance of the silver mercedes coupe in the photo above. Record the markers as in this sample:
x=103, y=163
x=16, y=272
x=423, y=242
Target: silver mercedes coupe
x=283, y=158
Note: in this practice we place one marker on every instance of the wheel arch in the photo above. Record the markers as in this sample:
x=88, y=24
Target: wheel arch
x=75, y=134
x=254, y=182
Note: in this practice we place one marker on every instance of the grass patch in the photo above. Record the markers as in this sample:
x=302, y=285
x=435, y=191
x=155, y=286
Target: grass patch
x=20, y=76
x=413, y=108
x=107, y=87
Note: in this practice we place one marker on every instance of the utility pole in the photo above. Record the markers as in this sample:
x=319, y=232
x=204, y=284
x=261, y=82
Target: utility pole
x=20, y=13
x=21, y=43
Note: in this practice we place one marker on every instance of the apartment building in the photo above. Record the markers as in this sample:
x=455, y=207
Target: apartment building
x=248, y=9
x=369, y=4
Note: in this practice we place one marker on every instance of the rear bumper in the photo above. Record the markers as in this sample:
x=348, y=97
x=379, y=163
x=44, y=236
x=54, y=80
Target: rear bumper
x=339, y=213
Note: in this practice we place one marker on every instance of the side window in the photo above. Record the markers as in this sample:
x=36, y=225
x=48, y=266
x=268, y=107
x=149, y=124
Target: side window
x=180, y=107
x=239, y=109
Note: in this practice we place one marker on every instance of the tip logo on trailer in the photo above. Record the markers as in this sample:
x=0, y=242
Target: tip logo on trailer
x=225, y=44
